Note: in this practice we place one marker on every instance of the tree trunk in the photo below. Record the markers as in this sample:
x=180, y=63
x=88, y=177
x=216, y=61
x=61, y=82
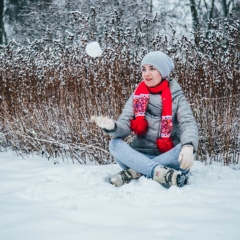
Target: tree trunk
x=1, y=22
x=211, y=10
x=151, y=7
x=210, y=16
x=224, y=8
x=194, y=13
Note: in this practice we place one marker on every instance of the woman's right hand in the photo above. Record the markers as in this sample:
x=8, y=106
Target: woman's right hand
x=186, y=157
x=104, y=122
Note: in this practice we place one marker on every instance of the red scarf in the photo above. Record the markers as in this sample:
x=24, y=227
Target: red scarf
x=140, y=102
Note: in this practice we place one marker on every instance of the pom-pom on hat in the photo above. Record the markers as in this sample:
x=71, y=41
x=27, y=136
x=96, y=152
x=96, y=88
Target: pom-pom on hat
x=161, y=61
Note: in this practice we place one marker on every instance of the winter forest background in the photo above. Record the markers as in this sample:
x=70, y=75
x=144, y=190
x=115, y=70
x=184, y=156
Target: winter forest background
x=49, y=87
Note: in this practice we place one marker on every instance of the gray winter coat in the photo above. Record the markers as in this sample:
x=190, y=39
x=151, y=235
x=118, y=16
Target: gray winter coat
x=184, y=131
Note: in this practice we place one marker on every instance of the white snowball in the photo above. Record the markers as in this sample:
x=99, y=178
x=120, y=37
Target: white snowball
x=93, y=49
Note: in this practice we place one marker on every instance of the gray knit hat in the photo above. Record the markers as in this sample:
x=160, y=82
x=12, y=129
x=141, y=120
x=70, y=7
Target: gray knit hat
x=162, y=62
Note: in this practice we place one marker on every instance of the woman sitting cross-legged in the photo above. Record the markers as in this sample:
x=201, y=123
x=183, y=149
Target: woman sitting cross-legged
x=166, y=134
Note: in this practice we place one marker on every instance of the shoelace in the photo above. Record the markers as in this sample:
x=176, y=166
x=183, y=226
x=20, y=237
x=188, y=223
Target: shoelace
x=126, y=176
x=168, y=176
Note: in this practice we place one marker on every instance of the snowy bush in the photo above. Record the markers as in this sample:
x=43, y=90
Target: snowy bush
x=50, y=88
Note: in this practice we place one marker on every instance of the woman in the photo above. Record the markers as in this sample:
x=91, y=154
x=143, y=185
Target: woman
x=166, y=134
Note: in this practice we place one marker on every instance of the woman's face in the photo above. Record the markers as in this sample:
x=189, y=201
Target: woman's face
x=151, y=76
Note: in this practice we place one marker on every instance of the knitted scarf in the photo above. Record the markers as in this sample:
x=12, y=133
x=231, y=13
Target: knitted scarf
x=140, y=102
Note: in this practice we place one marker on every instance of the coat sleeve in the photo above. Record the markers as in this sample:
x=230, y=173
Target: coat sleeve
x=122, y=125
x=187, y=123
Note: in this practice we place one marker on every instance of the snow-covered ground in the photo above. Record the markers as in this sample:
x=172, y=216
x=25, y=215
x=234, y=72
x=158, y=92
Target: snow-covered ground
x=43, y=201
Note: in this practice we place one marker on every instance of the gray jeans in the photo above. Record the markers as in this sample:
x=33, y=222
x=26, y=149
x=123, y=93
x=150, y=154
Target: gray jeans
x=127, y=157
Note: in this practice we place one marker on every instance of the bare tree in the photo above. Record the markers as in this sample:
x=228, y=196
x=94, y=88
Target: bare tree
x=55, y=16
x=207, y=13
x=1, y=22
x=226, y=6
x=194, y=13
x=31, y=19
x=211, y=9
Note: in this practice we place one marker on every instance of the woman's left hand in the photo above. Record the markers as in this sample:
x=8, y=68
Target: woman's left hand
x=186, y=157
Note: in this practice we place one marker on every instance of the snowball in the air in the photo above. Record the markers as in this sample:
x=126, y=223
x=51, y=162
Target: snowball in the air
x=93, y=49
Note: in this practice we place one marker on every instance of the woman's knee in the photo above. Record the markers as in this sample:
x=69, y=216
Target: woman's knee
x=113, y=144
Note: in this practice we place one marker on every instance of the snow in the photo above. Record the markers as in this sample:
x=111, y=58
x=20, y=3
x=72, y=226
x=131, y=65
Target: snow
x=93, y=49
x=59, y=3
x=44, y=201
